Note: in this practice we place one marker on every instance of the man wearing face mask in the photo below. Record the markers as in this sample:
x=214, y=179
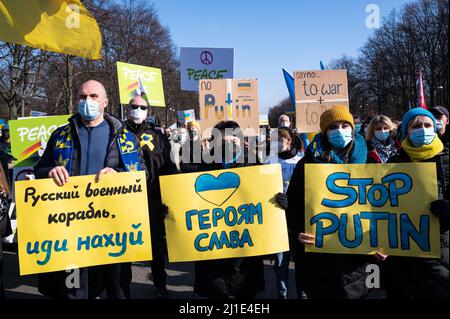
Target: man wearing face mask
x=92, y=143
x=284, y=121
x=441, y=115
x=168, y=133
x=156, y=150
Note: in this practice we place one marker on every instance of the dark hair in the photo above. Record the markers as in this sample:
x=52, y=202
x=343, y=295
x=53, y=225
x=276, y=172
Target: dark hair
x=222, y=125
x=296, y=142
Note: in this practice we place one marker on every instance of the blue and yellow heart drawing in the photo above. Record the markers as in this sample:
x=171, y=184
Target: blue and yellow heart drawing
x=217, y=190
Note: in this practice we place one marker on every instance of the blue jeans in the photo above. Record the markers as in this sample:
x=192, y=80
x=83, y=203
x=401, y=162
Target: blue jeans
x=281, y=268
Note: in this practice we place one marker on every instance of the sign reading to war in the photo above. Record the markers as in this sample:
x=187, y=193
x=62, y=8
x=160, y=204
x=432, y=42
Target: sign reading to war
x=29, y=137
x=140, y=80
x=363, y=209
x=315, y=92
x=229, y=100
x=83, y=223
x=226, y=214
x=204, y=63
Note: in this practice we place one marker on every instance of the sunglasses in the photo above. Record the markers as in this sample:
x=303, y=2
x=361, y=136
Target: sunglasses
x=143, y=107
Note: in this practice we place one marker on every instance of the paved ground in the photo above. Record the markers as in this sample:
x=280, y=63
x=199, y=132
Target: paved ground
x=180, y=281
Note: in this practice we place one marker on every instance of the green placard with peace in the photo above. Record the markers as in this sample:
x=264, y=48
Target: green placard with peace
x=29, y=137
x=140, y=80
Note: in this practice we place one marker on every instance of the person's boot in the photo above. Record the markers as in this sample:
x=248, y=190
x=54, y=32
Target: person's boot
x=162, y=292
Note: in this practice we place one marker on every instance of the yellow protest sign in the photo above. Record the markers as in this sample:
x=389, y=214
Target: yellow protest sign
x=365, y=208
x=139, y=80
x=224, y=213
x=82, y=223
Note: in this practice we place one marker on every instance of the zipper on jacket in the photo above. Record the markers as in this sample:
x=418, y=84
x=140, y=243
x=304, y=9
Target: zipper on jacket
x=88, y=149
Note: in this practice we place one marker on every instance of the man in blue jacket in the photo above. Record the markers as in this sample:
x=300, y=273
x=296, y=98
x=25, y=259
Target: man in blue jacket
x=92, y=143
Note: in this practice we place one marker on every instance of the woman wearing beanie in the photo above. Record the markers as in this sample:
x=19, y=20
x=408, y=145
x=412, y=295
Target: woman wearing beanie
x=409, y=277
x=326, y=276
x=381, y=142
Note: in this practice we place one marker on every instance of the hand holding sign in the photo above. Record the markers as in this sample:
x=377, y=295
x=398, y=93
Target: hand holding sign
x=370, y=208
x=59, y=175
x=106, y=170
x=82, y=223
x=226, y=216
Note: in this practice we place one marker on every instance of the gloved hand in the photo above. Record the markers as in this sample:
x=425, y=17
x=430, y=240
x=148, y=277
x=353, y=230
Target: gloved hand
x=164, y=210
x=282, y=200
x=439, y=208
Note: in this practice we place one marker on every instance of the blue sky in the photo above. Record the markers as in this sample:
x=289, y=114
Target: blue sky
x=270, y=35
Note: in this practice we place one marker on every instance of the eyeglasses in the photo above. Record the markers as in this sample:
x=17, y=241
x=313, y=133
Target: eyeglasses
x=143, y=107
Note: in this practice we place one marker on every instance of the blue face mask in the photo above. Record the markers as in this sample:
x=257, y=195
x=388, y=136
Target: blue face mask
x=421, y=136
x=340, y=138
x=382, y=135
x=88, y=109
x=358, y=128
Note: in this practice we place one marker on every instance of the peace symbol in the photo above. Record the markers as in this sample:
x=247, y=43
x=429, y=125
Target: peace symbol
x=206, y=57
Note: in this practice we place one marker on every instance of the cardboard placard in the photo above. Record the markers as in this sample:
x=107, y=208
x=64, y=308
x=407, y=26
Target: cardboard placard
x=315, y=92
x=229, y=100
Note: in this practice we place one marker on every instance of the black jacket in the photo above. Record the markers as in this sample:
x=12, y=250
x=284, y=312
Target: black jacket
x=156, y=154
x=222, y=278
x=423, y=278
x=327, y=276
x=111, y=277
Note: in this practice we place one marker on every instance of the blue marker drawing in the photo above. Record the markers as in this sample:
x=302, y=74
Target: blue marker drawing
x=217, y=190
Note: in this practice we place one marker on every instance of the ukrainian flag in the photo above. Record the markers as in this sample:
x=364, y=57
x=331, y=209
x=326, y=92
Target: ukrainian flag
x=63, y=26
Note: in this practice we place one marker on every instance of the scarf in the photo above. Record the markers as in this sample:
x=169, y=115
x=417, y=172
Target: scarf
x=424, y=152
x=358, y=155
x=385, y=151
x=62, y=152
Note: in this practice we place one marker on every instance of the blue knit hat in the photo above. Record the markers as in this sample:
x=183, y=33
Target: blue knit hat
x=411, y=114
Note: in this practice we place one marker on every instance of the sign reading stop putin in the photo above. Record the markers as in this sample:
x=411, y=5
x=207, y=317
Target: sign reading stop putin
x=316, y=92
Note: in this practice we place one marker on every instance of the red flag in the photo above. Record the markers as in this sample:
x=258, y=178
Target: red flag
x=423, y=102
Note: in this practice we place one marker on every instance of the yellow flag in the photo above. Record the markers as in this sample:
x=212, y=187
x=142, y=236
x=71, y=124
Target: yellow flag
x=63, y=26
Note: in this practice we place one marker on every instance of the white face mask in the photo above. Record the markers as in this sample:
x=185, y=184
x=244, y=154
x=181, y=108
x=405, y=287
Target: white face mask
x=285, y=124
x=138, y=115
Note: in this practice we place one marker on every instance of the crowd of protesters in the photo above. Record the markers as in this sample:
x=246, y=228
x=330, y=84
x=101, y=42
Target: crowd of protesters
x=420, y=136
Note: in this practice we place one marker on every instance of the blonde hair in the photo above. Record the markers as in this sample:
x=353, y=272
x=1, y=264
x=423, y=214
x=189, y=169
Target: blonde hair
x=380, y=119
